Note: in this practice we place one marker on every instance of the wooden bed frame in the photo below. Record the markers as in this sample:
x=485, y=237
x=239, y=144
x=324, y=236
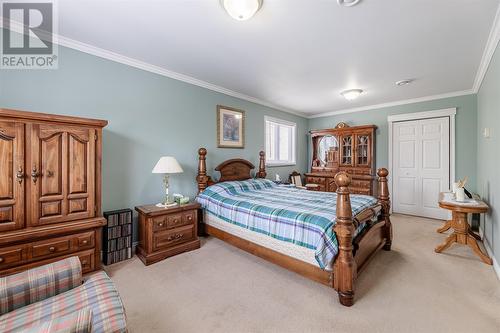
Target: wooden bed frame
x=353, y=254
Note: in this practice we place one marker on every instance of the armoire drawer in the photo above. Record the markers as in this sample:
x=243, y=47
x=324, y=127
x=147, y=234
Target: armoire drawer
x=51, y=247
x=13, y=255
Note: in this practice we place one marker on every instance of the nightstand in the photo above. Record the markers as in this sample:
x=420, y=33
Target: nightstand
x=165, y=232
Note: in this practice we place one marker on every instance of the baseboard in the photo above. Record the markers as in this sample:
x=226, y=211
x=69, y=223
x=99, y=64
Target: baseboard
x=496, y=267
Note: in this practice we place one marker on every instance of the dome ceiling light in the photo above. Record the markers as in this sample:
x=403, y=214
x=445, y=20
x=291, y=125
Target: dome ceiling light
x=347, y=3
x=241, y=10
x=351, y=94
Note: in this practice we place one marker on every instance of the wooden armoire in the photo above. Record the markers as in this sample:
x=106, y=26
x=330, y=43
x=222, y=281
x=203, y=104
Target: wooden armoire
x=343, y=148
x=50, y=190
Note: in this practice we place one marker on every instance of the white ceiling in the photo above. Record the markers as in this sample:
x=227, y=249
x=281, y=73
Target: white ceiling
x=297, y=54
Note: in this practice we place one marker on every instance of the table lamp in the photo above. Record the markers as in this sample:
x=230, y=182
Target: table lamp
x=167, y=165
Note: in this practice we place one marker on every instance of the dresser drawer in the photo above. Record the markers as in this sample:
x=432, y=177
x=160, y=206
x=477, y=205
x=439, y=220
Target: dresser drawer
x=176, y=220
x=12, y=256
x=189, y=217
x=163, y=239
x=316, y=180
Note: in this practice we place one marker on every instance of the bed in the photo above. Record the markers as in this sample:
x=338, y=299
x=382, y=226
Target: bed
x=327, y=237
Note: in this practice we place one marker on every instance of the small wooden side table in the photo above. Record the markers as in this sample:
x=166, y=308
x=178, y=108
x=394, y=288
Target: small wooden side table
x=165, y=232
x=462, y=233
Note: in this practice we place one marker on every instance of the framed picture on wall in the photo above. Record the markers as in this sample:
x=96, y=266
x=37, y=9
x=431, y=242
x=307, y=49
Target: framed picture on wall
x=230, y=127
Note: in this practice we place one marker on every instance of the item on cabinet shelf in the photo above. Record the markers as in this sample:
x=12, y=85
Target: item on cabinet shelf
x=165, y=232
x=230, y=127
x=343, y=148
x=117, y=236
x=50, y=192
x=167, y=165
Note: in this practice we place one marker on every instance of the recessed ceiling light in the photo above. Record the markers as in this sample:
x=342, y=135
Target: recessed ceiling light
x=351, y=94
x=404, y=82
x=347, y=3
x=241, y=10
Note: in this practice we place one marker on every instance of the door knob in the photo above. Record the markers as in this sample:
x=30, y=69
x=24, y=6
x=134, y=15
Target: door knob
x=20, y=175
x=34, y=174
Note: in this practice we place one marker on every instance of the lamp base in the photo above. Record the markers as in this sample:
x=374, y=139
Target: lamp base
x=162, y=205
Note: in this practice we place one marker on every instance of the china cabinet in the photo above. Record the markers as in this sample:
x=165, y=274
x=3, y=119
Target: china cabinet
x=343, y=148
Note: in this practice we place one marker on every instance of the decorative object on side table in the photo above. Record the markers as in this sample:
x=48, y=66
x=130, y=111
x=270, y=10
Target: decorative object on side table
x=167, y=165
x=230, y=127
x=165, y=232
x=117, y=236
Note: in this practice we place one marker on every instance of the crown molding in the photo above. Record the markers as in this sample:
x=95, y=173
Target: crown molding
x=119, y=58
x=396, y=103
x=488, y=52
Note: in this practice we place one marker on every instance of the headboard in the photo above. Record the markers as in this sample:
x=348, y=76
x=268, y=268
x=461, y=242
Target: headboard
x=233, y=169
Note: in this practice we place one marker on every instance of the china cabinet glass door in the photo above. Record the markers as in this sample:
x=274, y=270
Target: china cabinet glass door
x=347, y=150
x=362, y=149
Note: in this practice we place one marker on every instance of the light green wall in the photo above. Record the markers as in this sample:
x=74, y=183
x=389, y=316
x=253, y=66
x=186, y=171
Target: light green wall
x=466, y=129
x=149, y=116
x=488, y=152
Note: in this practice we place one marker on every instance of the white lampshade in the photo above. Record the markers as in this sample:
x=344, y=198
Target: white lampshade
x=167, y=164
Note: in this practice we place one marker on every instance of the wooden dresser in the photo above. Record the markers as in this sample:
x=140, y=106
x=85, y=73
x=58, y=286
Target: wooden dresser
x=50, y=190
x=343, y=148
x=165, y=232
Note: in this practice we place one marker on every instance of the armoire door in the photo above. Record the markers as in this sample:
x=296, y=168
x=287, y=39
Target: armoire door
x=421, y=161
x=12, y=180
x=62, y=173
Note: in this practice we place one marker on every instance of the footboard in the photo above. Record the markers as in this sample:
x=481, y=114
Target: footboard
x=349, y=263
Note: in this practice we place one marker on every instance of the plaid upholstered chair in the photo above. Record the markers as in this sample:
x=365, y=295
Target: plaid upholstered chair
x=53, y=298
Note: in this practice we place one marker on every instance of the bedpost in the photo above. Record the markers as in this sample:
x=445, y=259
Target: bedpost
x=385, y=201
x=344, y=269
x=262, y=165
x=202, y=179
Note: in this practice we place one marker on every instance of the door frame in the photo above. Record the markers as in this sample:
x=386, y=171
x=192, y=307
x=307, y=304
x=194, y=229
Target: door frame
x=450, y=113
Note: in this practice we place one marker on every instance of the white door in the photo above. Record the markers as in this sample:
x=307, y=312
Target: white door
x=421, y=166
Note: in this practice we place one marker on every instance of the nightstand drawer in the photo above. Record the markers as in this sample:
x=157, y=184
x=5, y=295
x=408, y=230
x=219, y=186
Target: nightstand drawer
x=176, y=236
x=175, y=220
x=189, y=217
x=159, y=223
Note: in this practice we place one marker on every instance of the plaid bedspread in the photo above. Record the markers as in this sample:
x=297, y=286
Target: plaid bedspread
x=305, y=218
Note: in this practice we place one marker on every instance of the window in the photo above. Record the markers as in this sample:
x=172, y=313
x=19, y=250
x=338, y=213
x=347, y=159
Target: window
x=280, y=141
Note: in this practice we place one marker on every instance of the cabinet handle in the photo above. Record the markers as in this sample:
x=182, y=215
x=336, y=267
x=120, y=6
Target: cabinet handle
x=1, y=260
x=34, y=174
x=84, y=262
x=175, y=237
x=190, y=217
x=20, y=175
x=52, y=249
x=85, y=242
x=160, y=224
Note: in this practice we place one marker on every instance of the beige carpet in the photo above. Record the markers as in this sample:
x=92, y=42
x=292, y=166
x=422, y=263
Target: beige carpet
x=222, y=289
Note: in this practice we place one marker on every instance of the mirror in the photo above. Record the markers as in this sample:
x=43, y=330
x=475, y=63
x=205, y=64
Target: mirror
x=328, y=147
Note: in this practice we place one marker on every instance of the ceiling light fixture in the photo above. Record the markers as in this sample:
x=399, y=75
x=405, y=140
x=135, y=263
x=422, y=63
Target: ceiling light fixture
x=404, y=82
x=351, y=94
x=241, y=10
x=347, y=3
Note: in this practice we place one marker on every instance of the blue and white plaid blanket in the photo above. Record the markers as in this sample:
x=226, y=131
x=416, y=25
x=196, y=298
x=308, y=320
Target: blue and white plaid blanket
x=304, y=218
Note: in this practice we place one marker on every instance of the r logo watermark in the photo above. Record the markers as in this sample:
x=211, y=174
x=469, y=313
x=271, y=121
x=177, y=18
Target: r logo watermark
x=28, y=35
